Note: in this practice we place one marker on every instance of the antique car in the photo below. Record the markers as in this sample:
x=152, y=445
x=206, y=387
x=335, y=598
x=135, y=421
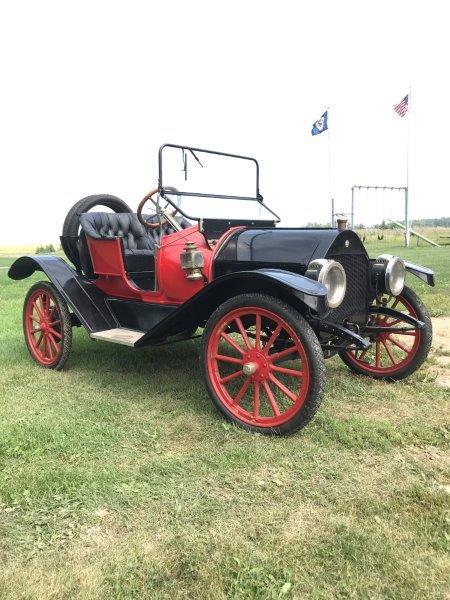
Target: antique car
x=271, y=302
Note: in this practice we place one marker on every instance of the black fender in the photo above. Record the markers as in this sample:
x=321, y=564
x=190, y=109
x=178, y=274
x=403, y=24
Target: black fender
x=423, y=273
x=295, y=289
x=84, y=298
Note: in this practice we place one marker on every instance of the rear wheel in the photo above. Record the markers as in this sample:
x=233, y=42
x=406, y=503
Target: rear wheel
x=394, y=355
x=47, y=326
x=262, y=364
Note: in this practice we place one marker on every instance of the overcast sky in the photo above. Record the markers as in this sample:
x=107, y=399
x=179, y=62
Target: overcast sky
x=91, y=89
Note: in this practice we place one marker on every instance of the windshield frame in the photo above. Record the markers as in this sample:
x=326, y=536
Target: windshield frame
x=165, y=192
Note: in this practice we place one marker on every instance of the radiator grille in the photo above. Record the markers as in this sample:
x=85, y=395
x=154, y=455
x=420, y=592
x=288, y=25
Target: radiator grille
x=354, y=305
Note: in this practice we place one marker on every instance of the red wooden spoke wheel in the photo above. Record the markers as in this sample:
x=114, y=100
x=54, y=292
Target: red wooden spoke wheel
x=47, y=326
x=394, y=355
x=261, y=364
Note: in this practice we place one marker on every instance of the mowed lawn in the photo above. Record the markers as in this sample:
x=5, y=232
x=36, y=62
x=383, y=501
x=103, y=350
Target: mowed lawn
x=119, y=480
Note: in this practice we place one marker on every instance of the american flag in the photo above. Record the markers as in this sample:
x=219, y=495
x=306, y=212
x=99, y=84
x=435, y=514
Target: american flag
x=402, y=107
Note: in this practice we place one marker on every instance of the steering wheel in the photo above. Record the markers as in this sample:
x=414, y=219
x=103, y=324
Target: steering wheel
x=142, y=203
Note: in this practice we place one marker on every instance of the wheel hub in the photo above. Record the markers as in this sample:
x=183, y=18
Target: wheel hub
x=250, y=368
x=256, y=365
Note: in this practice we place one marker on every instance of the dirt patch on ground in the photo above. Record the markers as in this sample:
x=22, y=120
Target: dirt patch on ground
x=441, y=349
x=441, y=334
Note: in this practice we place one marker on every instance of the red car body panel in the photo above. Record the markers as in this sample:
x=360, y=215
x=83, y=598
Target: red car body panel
x=173, y=286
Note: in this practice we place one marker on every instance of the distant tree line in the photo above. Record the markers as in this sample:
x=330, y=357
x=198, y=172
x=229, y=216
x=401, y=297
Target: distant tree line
x=45, y=249
x=441, y=222
x=437, y=222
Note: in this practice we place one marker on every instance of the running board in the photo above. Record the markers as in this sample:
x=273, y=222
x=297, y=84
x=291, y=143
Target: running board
x=120, y=335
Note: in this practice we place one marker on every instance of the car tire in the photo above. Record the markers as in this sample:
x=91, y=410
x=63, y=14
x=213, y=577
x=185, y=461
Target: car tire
x=414, y=352
x=263, y=406
x=47, y=326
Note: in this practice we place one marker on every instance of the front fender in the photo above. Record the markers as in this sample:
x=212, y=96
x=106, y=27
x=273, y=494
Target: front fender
x=311, y=292
x=291, y=287
x=85, y=299
x=423, y=273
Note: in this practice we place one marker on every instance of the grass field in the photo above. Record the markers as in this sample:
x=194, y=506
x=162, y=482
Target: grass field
x=119, y=480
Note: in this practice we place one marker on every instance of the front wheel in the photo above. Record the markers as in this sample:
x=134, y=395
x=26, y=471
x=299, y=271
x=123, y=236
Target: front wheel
x=47, y=326
x=262, y=364
x=395, y=354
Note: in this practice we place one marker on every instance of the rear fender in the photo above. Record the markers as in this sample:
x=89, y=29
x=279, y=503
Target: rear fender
x=297, y=290
x=84, y=298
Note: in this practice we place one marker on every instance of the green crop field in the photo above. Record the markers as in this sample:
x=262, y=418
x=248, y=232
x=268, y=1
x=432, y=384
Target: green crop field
x=119, y=480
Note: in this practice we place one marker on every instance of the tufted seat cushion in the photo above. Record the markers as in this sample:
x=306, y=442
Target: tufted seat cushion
x=107, y=226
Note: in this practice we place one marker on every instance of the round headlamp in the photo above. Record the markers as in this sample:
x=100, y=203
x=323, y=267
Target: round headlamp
x=332, y=275
x=394, y=273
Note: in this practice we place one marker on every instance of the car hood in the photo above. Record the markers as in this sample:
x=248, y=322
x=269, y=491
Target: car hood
x=285, y=246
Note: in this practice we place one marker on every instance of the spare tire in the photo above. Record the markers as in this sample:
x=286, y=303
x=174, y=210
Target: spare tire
x=71, y=227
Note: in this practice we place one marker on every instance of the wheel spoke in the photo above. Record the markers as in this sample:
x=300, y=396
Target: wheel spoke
x=43, y=299
x=388, y=350
x=258, y=333
x=50, y=346
x=55, y=333
x=377, y=354
x=243, y=332
x=38, y=310
x=362, y=355
x=392, y=323
x=256, y=399
x=272, y=338
x=242, y=391
x=39, y=340
x=283, y=353
x=228, y=378
x=44, y=346
x=230, y=359
x=291, y=372
x=50, y=309
x=272, y=400
x=231, y=342
x=33, y=318
x=36, y=330
x=398, y=344
x=49, y=353
x=53, y=342
x=283, y=388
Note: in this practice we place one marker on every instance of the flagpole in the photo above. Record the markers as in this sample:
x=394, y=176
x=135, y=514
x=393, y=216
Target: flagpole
x=407, y=223
x=330, y=190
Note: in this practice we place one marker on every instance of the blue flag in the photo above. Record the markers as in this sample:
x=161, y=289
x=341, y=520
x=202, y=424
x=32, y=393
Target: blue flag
x=320, y=125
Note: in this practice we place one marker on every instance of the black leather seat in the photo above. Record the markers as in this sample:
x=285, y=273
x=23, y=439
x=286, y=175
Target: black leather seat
x=138, y=241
